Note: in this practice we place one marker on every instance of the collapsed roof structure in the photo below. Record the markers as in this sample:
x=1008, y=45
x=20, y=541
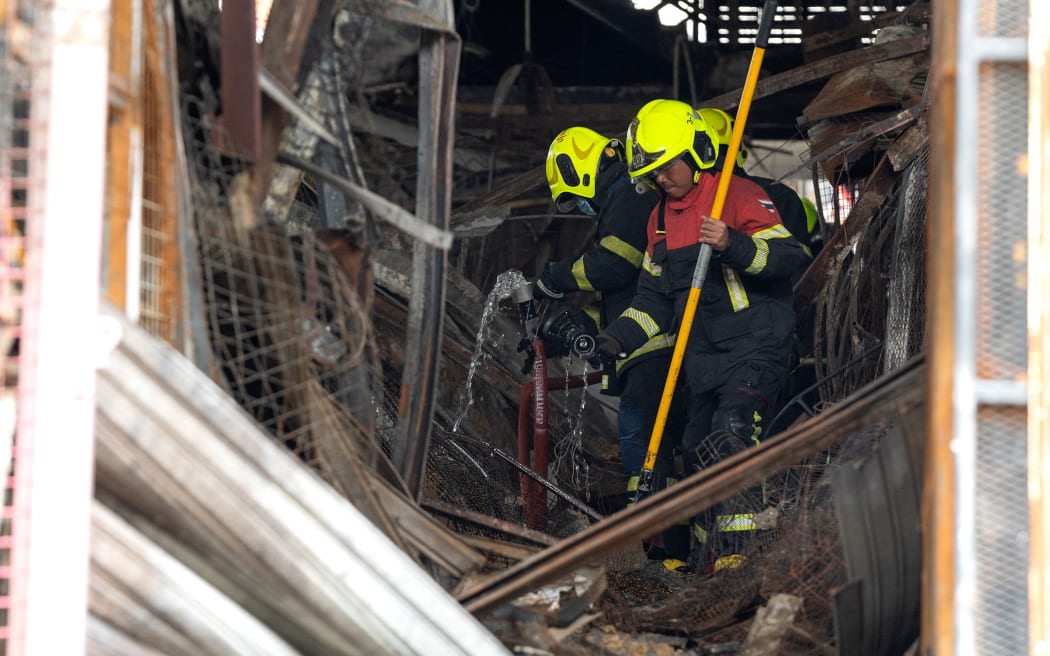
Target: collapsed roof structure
x=312, y=433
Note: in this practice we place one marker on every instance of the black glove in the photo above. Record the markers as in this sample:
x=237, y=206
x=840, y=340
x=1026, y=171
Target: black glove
x=608, y=349
x=525, y=346
x=544, y=287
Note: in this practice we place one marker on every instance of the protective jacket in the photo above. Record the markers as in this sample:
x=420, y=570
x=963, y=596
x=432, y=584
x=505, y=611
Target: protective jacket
x=611, y=266
x=745, y=311
x=792, y=212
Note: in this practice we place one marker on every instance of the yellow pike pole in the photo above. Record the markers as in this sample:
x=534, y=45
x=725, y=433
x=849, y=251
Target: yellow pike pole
x=703, y=259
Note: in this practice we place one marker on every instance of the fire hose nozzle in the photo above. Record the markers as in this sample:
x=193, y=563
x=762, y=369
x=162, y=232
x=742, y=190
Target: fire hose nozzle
x=584, y=346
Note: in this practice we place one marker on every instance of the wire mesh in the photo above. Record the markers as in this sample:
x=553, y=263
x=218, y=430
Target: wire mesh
x=286, y=326
x=15, y=78
x=1001, y=515
x=293, y=343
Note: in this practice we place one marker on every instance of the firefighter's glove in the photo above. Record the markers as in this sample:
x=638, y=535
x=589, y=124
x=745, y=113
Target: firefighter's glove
x=608, y=349
x=544, y=287
x=525, y=346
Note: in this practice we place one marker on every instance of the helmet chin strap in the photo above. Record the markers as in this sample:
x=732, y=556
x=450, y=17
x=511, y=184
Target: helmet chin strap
x=696, y=177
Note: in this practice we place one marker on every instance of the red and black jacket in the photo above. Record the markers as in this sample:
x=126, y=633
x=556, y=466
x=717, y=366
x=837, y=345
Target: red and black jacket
x=745, y=309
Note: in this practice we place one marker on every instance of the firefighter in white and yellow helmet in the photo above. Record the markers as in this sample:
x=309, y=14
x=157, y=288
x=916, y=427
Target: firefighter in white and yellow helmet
x=587, y=173
x=736, y=361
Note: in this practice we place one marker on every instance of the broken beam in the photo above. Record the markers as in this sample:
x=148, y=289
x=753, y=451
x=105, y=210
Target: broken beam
x=823, y=68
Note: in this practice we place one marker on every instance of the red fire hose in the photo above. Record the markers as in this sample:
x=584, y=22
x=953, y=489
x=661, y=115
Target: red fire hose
x=533, y=441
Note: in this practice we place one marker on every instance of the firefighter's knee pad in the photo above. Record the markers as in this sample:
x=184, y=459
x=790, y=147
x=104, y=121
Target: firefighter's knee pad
x=743, y=421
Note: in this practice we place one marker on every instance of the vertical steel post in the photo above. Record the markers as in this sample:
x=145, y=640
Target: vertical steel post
x=62, y=336
x=438, y=66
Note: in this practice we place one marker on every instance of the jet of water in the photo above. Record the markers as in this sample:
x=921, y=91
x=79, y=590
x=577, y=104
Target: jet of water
x=507, y=283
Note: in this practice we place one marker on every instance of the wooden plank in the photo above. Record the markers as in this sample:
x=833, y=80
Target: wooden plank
x=918, y=11
x=508, y=550
x=124, y=120
x=910, y=144
x=105, y=640
x=869, y=86
x=938, y=603
x=501, y=525
x=858, y=137
x=160, y=602
x=160, y=201
x=174, y=447
x=821, y=69
x=426, y=535
x=281, y=53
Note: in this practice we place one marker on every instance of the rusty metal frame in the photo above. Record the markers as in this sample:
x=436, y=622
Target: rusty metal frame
x=438, y=66
x=239, y=54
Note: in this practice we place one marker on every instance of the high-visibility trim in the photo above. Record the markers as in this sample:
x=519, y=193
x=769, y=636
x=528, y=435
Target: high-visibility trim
x=700, y=534
x=605, y=381
x=743, y=522
x=580, y=276
x=614, y=244
x=777, y=231
x=632, y=489
x=654, y=344
x=756, y=433
x=758, y=264
x=650, y=268
x=737, y=294
x=646, y=322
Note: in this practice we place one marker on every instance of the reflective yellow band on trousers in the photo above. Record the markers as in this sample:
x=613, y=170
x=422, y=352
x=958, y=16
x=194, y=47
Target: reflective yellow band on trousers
x=744, y=522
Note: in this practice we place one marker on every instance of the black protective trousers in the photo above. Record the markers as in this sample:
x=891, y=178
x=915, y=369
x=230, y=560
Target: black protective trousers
x=723, y=421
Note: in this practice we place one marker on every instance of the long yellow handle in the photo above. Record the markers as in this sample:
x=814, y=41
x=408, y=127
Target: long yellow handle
x=700, y=272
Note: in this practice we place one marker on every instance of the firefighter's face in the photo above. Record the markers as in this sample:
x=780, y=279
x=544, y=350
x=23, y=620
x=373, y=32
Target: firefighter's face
x=676, y=178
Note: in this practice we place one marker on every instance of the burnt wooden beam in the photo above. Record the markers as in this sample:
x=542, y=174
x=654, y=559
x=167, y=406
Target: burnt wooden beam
x=823, y=68
x=903, y=392
x=510, y=189
x=862, y=136
x=494, y=523
x=914, y=12
x=867, y=205
x=281, y=53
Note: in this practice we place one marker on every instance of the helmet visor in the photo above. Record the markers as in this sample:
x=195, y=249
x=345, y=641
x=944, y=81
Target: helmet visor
x=566, y=203
x=641, y=159
x=569, y=203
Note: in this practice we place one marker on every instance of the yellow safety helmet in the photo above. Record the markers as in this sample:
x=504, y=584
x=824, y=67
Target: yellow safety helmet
x=663, y=131
x=722, y=124
x=573, y=161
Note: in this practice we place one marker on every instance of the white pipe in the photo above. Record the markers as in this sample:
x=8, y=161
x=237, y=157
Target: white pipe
x=964, y=398
x=61, y=331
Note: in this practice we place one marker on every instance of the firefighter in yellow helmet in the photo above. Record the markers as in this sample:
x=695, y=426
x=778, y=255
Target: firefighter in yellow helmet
x=587, y=174
x=736, y=361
